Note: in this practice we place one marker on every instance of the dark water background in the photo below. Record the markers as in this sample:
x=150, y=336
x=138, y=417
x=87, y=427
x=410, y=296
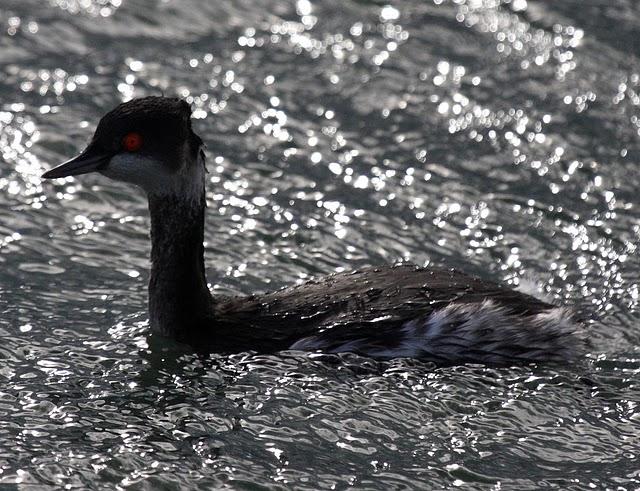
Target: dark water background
x=501, y=137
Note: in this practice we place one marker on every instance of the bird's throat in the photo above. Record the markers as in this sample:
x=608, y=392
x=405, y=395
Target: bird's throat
x=179, y=298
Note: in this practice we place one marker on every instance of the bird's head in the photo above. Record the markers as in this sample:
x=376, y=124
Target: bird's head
x=148, y=142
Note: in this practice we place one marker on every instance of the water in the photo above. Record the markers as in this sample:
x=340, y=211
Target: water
x=498, y=137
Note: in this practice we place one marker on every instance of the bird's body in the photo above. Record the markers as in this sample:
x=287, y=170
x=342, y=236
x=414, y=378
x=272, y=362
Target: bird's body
x=401, y=311
x=437, y=314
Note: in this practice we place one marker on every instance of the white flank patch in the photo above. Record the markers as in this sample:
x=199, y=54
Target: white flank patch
x=476, y=332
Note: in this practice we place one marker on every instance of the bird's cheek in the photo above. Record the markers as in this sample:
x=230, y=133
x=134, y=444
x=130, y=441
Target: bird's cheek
x=135, y=169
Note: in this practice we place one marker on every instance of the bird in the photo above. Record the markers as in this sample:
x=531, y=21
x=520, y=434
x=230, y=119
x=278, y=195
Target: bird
x=437, y=314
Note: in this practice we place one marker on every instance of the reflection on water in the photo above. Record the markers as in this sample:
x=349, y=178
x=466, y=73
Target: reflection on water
x=497, y=136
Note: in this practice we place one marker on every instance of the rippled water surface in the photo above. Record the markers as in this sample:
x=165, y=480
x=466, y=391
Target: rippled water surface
x=501, y=137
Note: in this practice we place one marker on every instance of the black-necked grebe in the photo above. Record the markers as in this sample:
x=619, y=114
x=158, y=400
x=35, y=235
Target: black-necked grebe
x=392, y=311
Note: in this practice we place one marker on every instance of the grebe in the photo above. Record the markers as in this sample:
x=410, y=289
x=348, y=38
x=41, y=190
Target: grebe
x=441, y=315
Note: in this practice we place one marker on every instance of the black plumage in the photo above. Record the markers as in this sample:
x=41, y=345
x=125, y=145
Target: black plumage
x=367, y=303
x=439, y=314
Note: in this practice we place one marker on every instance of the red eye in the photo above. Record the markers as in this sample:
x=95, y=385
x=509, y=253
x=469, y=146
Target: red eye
x=132, y=142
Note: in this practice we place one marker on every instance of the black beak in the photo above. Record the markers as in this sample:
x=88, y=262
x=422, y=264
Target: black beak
x=88, y=161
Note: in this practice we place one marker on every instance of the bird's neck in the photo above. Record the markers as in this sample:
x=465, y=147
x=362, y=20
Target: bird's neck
x=179, y=298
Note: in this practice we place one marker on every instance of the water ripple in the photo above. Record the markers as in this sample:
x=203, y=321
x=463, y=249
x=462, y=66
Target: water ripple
x=496, y=136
